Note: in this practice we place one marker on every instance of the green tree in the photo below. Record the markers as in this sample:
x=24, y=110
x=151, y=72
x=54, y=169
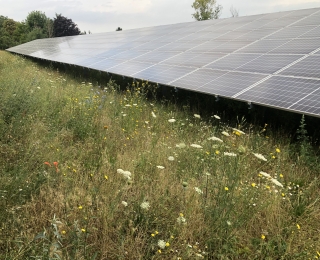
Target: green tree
x=62, y=26
x=206, y=10
x=39, y=25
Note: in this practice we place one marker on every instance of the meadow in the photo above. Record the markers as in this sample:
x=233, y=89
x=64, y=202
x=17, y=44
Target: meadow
x=102, y=172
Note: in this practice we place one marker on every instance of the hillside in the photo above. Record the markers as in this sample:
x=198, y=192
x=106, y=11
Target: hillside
x=94, y=172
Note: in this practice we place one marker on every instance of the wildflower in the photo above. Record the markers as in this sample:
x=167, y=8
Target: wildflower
x=229, y=223
x=125, y=174
x=83, y=230
x=56, y=166
x=47, y=163
x=167, y=244
x=197, y=116
x=273, y=157
x=226, y=188
x=145, y=205
x=106, y=177
x=265, y=174
x=181, y=219
x=159, y=251
x=278, y=150
x=239, y=131
x=63, y=232
x=124, y=203
x=161, y=244
x=153, y=114
x=260, y=156
x=160, y=167
x=156, y=232
x=281, y=175
x=198, y=190
x=181, y=145
x=152, y=235
x=225, y=133
x=230, y=154
x=253, y=184
x=171, y=158
x=217, y=117
x=80, y=207
x=298, y=226
x=277, y=183
x=196, y=146
x=263, y=237
x=217, y=152
x=283, y=195
x=172, y=120
x=213, y=138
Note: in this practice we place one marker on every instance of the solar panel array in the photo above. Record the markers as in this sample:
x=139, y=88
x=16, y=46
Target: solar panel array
x=268, y=59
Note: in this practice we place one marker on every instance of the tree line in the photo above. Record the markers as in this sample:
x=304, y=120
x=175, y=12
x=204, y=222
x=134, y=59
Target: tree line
x=36, y=26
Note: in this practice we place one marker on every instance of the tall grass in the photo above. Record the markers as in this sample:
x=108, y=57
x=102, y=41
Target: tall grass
x=92, y=172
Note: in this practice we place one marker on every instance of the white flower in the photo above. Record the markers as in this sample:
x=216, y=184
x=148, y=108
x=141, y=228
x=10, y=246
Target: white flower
x=196, y=146
x=276, y=182
x=181, y=220
x=229, y=154
x=153, y=114
x=198, y=190
x=265, y=174
x=125, y=174
x=124, y=203
x=217, y=117
x=145, y=205
x=172, y=120
x=127, y=105
x=239, y=131
x=213, y=138
x=260, y=156
x=161, y=244
x=225, y=133
x=160, y=167
x=171, y=158
x=181, y=145
x=124, y=115
x=197, y=116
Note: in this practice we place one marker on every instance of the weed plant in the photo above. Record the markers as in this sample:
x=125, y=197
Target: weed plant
x=92, y=172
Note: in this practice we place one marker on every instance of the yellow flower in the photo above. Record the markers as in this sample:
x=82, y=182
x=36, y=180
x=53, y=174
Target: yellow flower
x=152, y=235
x=253, y=184
x=281, y=175
x=263, y=236
x=63, y=232
x=298, y=226
x=83, y=230
x=283, y=195
x=167, y=244
x=106, y=177
x=181, y=214
x=156, y=232
x=80, y=207
x=217, y=152
x=159, y=251
x=278, y=150
x=273, y=157
x=172, y=237
x=226, y=188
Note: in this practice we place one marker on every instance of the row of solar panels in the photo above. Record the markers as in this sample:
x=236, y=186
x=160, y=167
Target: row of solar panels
x=269, y=59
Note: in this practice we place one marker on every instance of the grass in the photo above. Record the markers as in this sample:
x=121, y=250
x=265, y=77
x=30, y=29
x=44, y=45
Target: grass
x=95, y=172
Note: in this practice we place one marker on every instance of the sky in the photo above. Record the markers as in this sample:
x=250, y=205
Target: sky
x=107, y=15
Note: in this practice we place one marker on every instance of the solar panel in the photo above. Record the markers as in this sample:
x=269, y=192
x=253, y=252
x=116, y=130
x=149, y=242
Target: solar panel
x=267, y=59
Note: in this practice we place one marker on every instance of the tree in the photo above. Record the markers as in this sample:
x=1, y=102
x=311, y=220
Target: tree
x=234, y=12
x=206, y=10
x=62, y=26
x=119, y=29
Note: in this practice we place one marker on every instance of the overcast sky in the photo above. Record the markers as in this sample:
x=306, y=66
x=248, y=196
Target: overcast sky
x=106, y=15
